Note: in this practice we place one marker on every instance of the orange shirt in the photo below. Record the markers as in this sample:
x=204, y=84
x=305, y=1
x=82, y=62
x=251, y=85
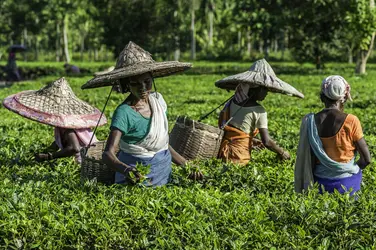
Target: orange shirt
x=341, y=147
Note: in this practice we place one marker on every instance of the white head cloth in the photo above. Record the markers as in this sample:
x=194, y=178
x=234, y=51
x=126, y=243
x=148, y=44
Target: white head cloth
x=336, y=88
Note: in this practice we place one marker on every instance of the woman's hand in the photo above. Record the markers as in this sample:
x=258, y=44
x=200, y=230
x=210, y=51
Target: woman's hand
x=196, y=176
x=181, y=161
x=110, y=159
x=257, y=144
x=42, y=157
x=137, y=175
x=271, y=145
x=284, y=156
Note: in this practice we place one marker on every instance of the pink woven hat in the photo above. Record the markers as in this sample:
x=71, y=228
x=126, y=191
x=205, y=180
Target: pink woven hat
x=55, y=105
x=132, y=61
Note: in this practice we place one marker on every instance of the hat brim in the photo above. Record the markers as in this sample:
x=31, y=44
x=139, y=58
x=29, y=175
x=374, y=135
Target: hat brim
x=55, y=120
x=157, y=69
x=258, y=79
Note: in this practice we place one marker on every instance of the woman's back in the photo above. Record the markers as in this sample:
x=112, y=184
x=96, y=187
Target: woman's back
x=338, y=133
x=248, y=118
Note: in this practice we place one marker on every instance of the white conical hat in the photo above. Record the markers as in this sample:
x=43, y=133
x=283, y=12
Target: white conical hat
x=132, y=61
x=260, y=74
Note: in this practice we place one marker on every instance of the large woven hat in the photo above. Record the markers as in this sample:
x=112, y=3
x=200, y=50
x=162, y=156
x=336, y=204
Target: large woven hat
x=132, y=61
x=55, y=105
x=105, y=71
x=260, y=74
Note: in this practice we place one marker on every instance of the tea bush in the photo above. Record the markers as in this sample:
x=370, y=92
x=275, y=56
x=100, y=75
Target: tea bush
x=44, y=205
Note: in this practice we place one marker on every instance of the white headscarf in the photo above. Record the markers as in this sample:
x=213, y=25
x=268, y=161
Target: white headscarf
x=336, y=88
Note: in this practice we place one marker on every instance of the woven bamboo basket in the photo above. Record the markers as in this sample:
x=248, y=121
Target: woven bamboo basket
x=92, y=167
x=195, y=140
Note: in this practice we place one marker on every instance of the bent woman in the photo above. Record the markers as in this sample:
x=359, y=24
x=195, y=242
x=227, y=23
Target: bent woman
x=139, y=125
x=329, y=141
x=243, y=117
x=56, y=105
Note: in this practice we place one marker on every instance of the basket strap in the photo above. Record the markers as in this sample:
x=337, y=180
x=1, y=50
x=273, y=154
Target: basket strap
x=228, y=121
x=206, y=116
x=95, y=129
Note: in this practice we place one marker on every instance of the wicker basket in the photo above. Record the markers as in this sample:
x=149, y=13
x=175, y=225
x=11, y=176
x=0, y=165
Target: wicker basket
x=195, y=140
x=92, y=167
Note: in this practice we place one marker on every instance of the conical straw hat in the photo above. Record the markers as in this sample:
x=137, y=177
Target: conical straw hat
x=132, y=61
x=260, y=74
x=104, y=71
x=55, y=105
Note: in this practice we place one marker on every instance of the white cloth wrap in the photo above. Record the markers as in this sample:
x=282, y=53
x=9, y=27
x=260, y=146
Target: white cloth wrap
x=157, y=138
x=336, y=88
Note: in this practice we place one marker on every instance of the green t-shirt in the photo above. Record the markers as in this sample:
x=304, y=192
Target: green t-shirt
x=132, y=124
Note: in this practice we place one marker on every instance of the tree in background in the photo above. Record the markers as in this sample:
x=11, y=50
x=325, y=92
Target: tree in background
x=313, y=26
x=360, y=28
x=315, y=31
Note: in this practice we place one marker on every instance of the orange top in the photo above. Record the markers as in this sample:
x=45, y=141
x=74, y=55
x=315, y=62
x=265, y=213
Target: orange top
x=341, y=147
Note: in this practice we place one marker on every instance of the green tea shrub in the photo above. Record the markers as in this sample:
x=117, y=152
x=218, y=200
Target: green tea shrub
x=45, y=205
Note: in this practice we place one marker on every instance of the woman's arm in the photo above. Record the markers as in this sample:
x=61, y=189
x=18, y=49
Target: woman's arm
x=176, y=157
x=71, y=148
x=181, y=161
x=365, y=156
x=53, y=146
x=271, y=145
x=109, y=156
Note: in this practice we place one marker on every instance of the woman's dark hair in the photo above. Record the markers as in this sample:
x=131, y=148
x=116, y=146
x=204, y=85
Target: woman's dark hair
x=123, y=85
x=325, y=99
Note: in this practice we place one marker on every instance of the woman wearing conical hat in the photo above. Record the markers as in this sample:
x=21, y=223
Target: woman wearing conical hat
x=243, y=116
x=56, y=105
x=139, y=124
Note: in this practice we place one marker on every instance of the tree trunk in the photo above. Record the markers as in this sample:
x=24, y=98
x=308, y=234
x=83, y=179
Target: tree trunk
x=57, y=42
x=275, y=45
x=36, y=51
x=350, y=54
x=106, y=54
x=266, y=49
x=177, y=48
x=25, y=42
x=82, y=48
x=260, y=45
x=283, y=44
x=249, y=44
x=211, y=20
x=65, y=36
x=193, y=35
x=239, y=40
x=95, y=54
x=363, y=55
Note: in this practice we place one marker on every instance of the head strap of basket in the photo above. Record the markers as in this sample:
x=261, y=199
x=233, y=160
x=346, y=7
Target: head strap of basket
x=55, y=105
x=133, y=61
x=260, y=74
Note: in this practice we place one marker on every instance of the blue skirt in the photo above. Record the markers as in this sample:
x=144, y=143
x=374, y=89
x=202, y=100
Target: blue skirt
x=160, y=167
x=342, y=185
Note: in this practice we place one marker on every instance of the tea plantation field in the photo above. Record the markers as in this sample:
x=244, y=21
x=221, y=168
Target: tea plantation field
x=45, y=206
